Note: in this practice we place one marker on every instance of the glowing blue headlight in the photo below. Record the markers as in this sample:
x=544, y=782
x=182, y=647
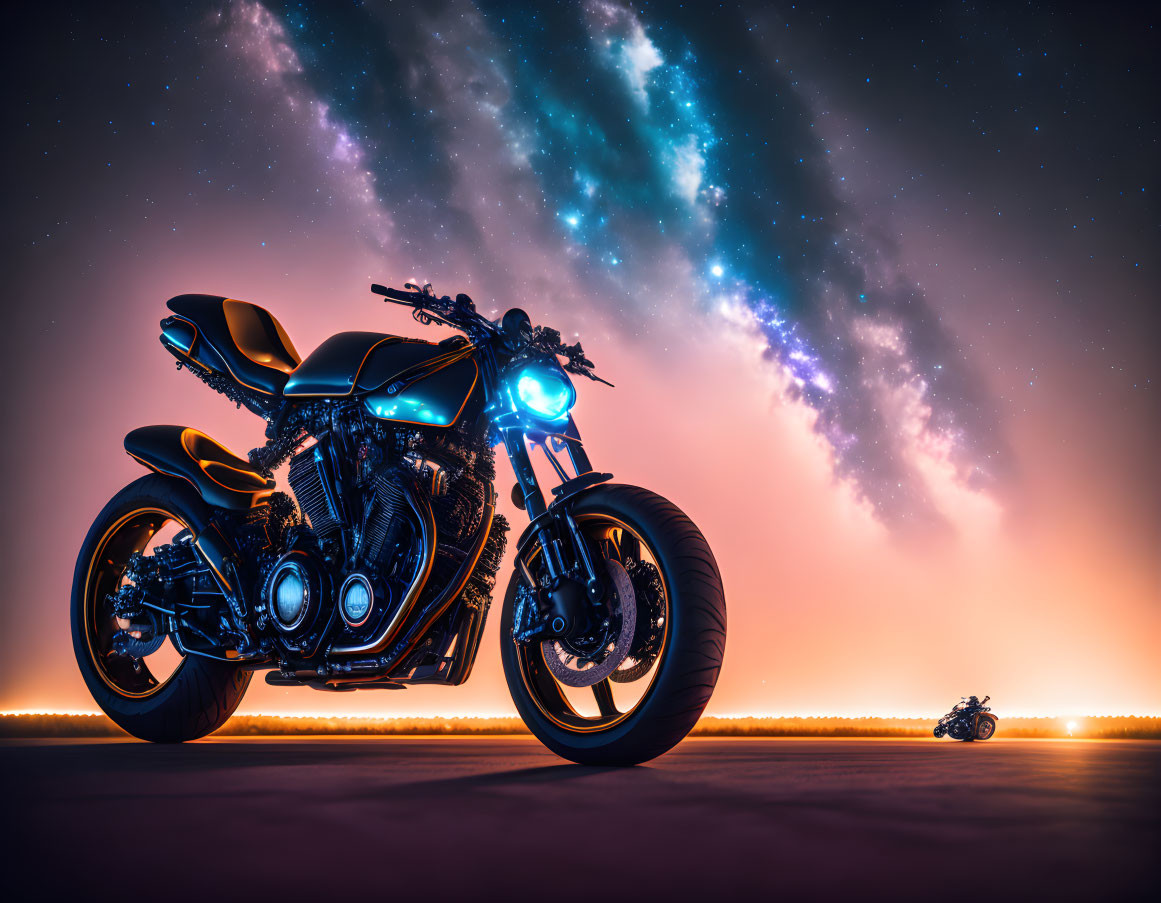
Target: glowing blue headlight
x=544, y=392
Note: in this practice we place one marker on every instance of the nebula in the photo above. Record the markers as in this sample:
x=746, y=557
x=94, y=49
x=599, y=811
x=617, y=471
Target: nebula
x=652, y=170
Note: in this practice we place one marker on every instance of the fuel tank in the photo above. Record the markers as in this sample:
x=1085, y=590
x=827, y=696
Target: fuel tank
x=398, y=379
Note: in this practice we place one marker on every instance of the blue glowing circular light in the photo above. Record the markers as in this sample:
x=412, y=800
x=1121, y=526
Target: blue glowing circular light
x=356, y=599
x=289, y=596
x=544, y=393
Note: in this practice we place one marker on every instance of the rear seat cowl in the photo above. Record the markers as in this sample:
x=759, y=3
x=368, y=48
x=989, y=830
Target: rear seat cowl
x=222, y=478
x=244, y=338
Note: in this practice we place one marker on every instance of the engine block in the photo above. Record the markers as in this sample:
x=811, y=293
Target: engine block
x=384, y=499
x=307, y=478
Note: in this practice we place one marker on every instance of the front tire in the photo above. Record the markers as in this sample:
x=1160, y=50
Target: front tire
x=686, y=665
x=200, y=694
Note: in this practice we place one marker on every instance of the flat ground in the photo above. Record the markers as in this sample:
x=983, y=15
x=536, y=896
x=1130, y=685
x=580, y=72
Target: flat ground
x=500, y=817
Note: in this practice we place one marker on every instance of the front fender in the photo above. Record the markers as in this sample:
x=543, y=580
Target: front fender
x=566, y=493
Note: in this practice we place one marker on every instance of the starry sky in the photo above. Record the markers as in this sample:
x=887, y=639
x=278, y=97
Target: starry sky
x=877, y=285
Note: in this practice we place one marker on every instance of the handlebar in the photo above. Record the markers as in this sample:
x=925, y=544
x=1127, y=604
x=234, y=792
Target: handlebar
x=429, y=308
x=393, y=293
x=461, y=314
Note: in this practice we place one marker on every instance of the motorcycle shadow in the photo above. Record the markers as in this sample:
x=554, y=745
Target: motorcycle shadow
x=516, y=777
x=411, y=768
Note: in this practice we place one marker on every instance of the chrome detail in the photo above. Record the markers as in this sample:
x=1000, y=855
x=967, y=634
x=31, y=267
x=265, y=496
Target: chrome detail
x=429, y=471
x=426, y=522
x=455, y=586
x=355, y=583
x=278, y=606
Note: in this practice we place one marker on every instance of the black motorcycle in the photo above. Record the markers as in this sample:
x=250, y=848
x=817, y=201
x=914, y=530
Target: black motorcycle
x=378, y=573
x=969, y=719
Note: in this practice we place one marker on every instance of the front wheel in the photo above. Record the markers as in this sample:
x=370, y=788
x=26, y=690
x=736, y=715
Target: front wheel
x=986, y=727
x=630, y=697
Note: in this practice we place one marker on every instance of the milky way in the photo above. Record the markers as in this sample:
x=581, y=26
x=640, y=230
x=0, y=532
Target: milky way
x=653, y=169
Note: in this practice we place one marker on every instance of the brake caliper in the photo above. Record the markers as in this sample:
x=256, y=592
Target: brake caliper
x=142, y=629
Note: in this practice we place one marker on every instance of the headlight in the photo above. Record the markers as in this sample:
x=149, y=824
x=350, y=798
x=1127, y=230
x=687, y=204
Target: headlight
x=543, y=391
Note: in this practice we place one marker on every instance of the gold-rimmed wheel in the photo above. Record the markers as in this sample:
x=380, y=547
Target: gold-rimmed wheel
x=585, y=686
x=634, y=686
x=132, y=669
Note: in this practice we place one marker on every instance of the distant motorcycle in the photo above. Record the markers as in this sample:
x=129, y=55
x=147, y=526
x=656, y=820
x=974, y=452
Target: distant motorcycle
x=969, y=719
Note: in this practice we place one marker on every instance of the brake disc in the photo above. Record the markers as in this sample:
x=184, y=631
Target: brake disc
x=647, y=591
x=568, y=668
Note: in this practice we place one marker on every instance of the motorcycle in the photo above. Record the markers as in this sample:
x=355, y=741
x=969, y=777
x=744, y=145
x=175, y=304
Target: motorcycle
x=378, y=573
x=969, y=719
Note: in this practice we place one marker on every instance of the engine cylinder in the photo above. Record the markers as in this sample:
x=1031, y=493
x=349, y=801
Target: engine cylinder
x=306, y=477
x=385, y=501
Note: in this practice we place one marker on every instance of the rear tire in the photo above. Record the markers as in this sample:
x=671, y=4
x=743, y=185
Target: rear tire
x=201, y=694
x=985, y=727
x=688, y=666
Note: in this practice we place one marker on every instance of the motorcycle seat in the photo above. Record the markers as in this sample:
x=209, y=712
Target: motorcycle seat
x=222, y=478
x=245, y=338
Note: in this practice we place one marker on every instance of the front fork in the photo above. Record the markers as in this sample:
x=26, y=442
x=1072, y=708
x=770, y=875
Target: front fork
x=574, y=584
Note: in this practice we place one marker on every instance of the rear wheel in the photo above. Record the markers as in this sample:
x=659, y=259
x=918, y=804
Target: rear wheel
x=633, y=695
x=986, y=727
x=152, y=691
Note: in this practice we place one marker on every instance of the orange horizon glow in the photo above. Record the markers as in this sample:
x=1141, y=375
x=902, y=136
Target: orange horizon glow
x=727, y=716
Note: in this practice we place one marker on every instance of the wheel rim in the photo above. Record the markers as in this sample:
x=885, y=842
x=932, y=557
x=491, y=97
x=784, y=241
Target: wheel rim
x=127, y=676
x=607, y=703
